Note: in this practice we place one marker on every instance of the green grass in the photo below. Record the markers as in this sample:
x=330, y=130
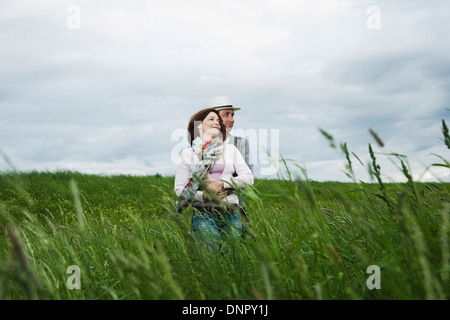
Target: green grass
x=311, y=240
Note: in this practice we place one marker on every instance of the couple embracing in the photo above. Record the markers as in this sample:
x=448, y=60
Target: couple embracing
x=209, y=174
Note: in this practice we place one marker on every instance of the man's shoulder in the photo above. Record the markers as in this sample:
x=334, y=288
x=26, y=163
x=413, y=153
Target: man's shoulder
x=238, y=139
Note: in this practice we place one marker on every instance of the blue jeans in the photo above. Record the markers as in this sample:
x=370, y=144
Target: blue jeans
x=214, y=230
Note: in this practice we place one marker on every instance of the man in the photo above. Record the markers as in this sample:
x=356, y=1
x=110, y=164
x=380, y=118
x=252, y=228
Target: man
x=226, y=112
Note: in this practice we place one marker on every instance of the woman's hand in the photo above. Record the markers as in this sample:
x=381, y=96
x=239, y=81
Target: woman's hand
x=223, y=193
x=214, y=186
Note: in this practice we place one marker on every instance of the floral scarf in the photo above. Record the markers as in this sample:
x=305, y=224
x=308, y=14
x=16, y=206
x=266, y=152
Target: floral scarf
x=207, y=152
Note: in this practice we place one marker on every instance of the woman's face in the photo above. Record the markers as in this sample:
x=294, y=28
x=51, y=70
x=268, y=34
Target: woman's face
x=210, y=126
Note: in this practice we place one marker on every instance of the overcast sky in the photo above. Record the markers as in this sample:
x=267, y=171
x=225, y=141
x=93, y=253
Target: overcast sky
x=108, y=86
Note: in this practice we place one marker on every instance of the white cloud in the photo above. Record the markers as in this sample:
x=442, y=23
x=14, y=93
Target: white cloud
x=108, y=96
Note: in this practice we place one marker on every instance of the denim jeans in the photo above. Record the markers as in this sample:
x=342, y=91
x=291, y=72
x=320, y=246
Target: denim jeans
x=213, y=230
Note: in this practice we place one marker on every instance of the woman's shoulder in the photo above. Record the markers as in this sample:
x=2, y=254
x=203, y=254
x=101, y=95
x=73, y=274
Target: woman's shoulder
x=187, y=153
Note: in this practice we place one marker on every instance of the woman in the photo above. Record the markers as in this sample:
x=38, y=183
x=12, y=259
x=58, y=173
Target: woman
x=206, y=176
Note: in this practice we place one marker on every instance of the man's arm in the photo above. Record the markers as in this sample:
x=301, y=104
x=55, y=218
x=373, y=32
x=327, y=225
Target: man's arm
x=243, y=145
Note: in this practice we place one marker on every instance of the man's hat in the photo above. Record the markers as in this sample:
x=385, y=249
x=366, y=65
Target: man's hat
x=221, y=103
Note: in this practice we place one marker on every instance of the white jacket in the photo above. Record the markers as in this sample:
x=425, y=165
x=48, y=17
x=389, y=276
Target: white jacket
x=234, y=164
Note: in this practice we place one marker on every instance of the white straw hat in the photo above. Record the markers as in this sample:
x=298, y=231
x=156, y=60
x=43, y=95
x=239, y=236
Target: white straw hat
x=221, y=103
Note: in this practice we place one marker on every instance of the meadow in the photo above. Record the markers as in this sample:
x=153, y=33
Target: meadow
x=306, y=239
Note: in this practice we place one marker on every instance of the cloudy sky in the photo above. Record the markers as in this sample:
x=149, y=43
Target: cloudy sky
x=108, y=86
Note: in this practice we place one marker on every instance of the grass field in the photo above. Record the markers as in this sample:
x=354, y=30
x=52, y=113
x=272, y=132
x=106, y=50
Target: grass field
x=309, y=240
x=313, y=240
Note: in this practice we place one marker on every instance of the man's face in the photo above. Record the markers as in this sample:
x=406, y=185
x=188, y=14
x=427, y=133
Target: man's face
x=227, y=116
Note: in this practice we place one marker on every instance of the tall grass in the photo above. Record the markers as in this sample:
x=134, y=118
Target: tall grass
x=311, y=240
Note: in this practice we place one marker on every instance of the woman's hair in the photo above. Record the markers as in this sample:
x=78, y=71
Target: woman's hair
x=197, y=118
